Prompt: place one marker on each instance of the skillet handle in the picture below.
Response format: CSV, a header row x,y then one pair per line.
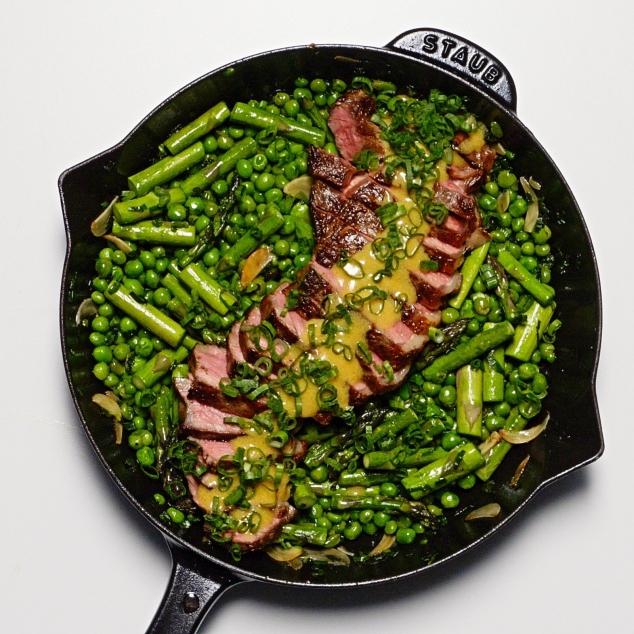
x,y
460,57
193,588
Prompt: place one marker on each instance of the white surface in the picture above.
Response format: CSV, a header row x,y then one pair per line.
x,y
75,78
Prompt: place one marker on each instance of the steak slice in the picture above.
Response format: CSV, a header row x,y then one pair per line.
x,y
448,257
364,189
205,420
329,167
453,231
398,345
457,201
268,532
313,290
432,286
419,318
374,378
350,123
361,218
290,325
212,451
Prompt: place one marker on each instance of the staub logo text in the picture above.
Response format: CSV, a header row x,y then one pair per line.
x,y
462,55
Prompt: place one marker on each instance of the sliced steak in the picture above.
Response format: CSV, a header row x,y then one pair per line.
x,y
329,167
448,256
453,231
398,345
359,393
235,355
209,368
432,286
313,290
482,159
289,324
457,201
211,451
367,191
470,178
349,121
374,378
268,532
419,318
357,215
205,420
327,199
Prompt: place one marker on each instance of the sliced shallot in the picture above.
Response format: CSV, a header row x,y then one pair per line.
x,y
108,404
488,511
532,213
86,309
519,471
489,443
99,225
386,543
526,435
119,243
299,187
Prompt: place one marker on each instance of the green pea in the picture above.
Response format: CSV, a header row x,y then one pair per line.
x,y
301,260
106,253
101,370
473,327
224,141
111,381
488,202
291,171
146,456
100,324
447,395
210,144
236,133
273,109
274,195
449,500
140,438
493,422
542,236
511,394
481,304
530,264
176,515
211,257
302,93
366,516
518,207
389,489
505,220
161,265
338,85
506,179
352,530
231,235
315,511
499,235
100,284
97,339
177,212
494,249
103,267
517,224
431,389
450,379
391,527
244,168
281,248
264,182
236,220
121,351
478,285
527,371
405,535
291,108
127,325
547,350
280,98
319,474
144,348
380,519
323,521
321,101
502,409
106,310
542,250
281,181
540,383
220,187
318,86
450,315
302,164
468,482
162,296
450,440
492,188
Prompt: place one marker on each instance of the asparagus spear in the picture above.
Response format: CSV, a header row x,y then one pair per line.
x,y
493,379
319,452
541,292
148,316
316,117
135,209
303,496
469,401
308,533
166,169
243,149
397,458
257,118
363,479
527,334
251,240
164,233
467,352
155,368
208,289
197,128
457,463
502,290
416,510
469,271
394,425
515,422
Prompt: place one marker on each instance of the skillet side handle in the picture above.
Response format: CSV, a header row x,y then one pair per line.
x,y
194,587
460,57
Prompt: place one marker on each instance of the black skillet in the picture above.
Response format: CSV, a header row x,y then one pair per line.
x,y
423,59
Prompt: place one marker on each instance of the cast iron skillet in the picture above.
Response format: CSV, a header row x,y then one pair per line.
x,y
423,59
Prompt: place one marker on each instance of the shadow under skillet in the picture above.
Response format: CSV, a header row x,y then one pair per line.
x,y
331,600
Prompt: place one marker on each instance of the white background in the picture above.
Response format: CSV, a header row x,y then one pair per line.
x,y
76,76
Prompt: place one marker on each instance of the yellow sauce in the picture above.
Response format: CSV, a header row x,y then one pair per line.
x,y
474,142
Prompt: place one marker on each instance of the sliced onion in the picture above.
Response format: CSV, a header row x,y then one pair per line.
x,y
299,187
526,435
499,148
519,471
489,443
109,405
86,309
119,243
113,396
387,541
488,511
118,432
99,225
254,265
534,184
504,200
330,555
284,554
532,213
